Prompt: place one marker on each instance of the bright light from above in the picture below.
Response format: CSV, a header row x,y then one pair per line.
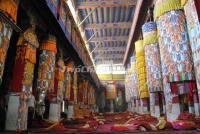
x,y
110,69
72,9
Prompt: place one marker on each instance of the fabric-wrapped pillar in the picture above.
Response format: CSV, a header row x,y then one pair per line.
x,y
135,83
9,8
55,106
69,92
92,100
23,76
111,94
80,94
141,71
75,87
68,86
45,82
153,66
85,95
193,25
59,80
65,100
127,85
175,52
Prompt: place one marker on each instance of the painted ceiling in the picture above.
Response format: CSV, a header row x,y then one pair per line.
x,y
107,25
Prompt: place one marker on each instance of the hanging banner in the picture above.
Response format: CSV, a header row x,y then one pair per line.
x,y
111,91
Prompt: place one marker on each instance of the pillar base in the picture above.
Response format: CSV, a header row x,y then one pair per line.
x,y
54,112
111,106
70,112
133,106
144,106
12,114
173,115
191,109
196,104
196,109
156,111
137,106
164,109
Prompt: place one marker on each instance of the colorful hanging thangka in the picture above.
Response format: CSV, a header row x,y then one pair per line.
x,y
111,92
193,25
152,57
9,8
45,82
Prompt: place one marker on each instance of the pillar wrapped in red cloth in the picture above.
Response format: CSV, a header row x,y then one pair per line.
x,y
59,79
25,61
23,71
80,93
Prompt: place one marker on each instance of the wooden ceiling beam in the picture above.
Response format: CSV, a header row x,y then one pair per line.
x,y
111,49
122,25
112,38
113,56
141,13
105,3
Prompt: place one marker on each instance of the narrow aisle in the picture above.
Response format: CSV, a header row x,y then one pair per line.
x,y
100,66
